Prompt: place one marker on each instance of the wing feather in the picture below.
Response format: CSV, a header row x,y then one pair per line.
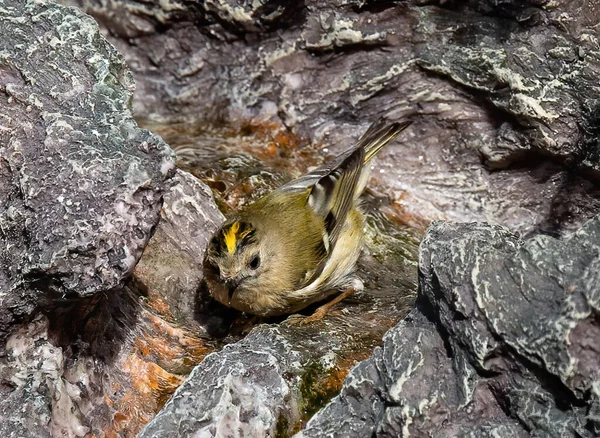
x,y
334,187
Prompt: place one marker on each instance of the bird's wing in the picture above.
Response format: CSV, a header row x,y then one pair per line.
x,y
333,195
308,180
333,186
378,135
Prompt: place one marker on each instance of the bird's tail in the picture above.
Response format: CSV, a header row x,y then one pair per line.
x,y
378,135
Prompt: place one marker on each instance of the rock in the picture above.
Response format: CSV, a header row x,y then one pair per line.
x,y
40,403
502,93
171,269
502,343
268,384
80,184
106,364
243,16
531,72
409,388
238,390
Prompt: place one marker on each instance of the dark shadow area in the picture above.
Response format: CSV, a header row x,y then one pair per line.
x,y
576,198
526,13
216,318
96,326
588,150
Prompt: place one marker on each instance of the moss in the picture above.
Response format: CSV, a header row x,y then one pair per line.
x,y
281,429
318,386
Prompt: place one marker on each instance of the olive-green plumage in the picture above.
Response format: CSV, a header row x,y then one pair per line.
x,y
299,244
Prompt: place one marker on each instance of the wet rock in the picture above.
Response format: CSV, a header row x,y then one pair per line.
x,y
241,389
28,387
106,364
532,73
189,218
80,184
502,93
243,16
269,383
503,342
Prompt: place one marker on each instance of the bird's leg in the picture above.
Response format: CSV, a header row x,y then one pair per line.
x,y
355,286
320,313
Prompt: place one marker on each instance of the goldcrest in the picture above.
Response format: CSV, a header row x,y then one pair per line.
x,y
299,244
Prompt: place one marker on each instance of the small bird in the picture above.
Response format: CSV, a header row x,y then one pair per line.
x,y
299,244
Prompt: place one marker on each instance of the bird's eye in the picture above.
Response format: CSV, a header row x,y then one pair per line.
x,y
255,262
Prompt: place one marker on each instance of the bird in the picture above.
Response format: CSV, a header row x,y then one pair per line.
x,y
299,244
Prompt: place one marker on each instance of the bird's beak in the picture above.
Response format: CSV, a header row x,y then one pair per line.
x,y
232,288
232,284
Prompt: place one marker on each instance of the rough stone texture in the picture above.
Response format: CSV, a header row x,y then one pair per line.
x,y
40,403
171,269
263,385
511,84
80,184
106,364
26,408
503,343
544,79
241,390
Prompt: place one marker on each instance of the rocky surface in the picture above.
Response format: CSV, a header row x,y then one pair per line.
x,y
256,387
170,272
503,343
104,365
81,187
80,184
503,94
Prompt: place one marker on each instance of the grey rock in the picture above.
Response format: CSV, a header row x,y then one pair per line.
x,y
248,398
81,185
250,16
503,343
536,75
171,267
59,372
510,283
40,402
503,94
410,386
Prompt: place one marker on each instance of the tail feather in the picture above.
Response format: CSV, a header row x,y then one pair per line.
x,y
378,135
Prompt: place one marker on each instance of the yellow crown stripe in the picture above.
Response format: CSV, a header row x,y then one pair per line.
x,y
231,237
